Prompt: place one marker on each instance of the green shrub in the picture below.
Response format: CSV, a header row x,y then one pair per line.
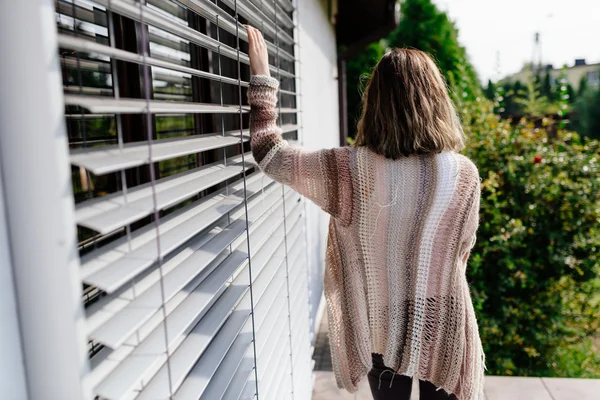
x,y
535,270
535,266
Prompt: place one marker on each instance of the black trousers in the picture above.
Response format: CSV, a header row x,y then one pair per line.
x,y
387,385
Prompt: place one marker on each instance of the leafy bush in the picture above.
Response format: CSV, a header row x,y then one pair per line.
x,y
534,270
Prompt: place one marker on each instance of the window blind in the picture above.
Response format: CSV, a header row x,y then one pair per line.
x,y
193,262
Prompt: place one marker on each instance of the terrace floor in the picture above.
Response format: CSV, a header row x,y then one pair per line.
x,y
496,387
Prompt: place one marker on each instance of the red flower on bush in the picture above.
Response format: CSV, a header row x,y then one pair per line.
x,y
537,159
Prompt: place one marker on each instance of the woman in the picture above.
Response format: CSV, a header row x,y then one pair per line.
x,y
404,207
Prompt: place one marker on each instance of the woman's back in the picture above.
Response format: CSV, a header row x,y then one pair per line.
x,y
395,278
404,207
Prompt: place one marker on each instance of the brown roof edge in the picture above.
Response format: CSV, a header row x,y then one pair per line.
x,y
360,22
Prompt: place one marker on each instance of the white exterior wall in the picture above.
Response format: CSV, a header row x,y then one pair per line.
x,y
320,121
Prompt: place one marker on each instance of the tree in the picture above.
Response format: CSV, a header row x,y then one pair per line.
x,y
546,88
490,90
586,118
514,91
531,101
422,26
583,85
358,71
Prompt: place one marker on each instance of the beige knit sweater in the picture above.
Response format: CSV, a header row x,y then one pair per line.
x,y
399,239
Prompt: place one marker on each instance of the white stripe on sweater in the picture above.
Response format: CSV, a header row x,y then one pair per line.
x,y
445,186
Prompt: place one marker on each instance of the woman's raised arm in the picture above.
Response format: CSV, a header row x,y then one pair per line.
x,y
323,176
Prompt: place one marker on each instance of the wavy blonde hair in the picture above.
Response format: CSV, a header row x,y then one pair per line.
x,y
407,109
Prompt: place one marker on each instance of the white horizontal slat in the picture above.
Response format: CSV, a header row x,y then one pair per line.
x,y
262,204
203,302
240,378
263,317
299,298
110,105
238,357
266,369
267,236
175,229
94,16
296,233
81,44
299,311
288,128
86,65
286,5
271,385
278,361
287,92
114,332
288,110
178,226
296,249
267,276
184,360
142,13
277,340
256,16
101,371
117,273
217,15
139,12
301,345
263,271
112,212
296,263
265,15
295,230
274,12
249,392
285,74
294,211
303,369
274,322
280,388
109,159
111,305
222,376
188,352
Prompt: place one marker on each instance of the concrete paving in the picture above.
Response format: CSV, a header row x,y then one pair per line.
x,y
496,387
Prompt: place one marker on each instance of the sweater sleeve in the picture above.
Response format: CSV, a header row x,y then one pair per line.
x,y
323,176
472,222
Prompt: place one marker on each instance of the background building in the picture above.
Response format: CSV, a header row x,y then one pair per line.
x,y
579,71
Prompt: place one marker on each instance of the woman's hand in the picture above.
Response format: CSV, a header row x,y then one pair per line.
x,y
259,57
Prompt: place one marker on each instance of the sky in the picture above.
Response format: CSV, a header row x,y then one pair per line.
x,y
503,30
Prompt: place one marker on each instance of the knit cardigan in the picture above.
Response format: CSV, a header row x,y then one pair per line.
x,y
399,238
